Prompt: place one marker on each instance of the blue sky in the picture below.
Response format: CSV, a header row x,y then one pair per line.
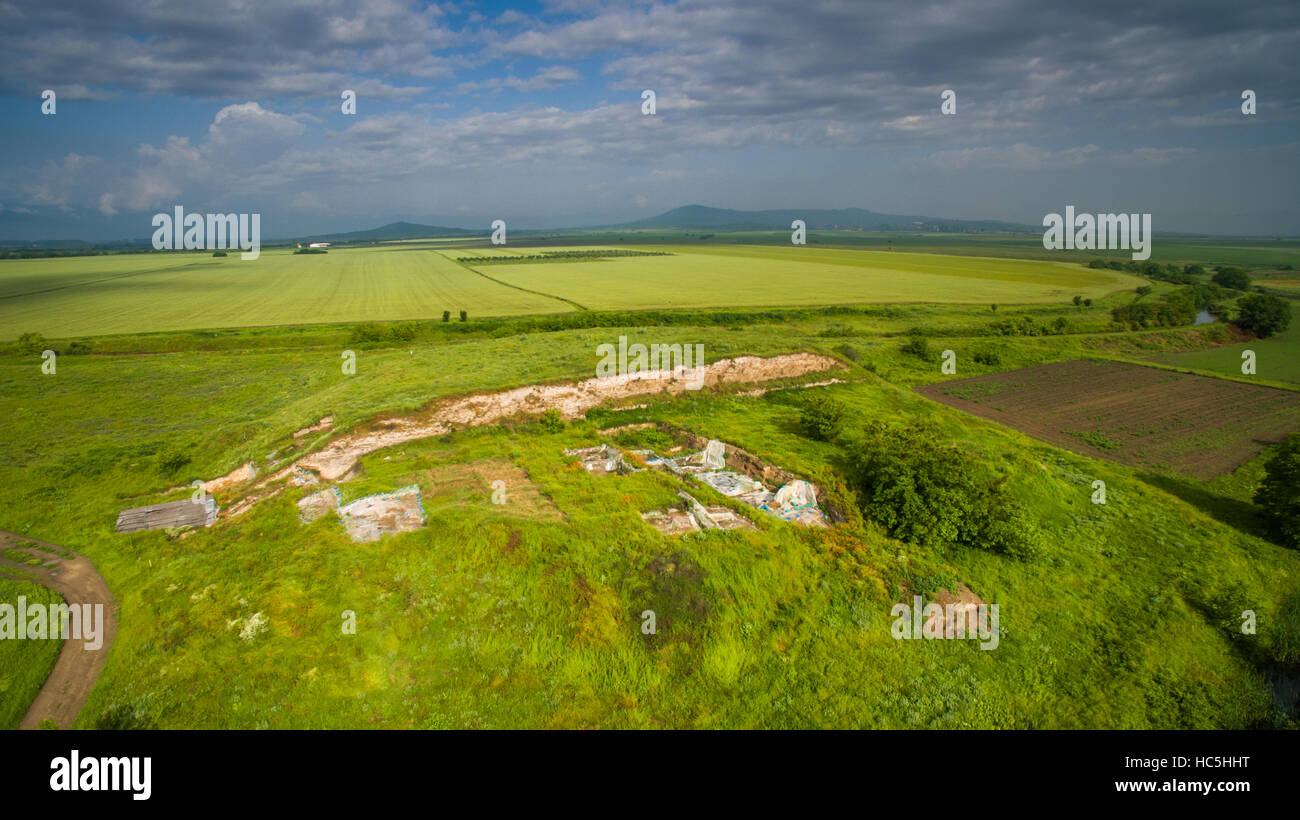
x,y
531,112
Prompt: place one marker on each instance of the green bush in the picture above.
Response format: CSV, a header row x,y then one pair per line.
x,y
987,357
551,421
822,416
1263,313
919,347
1278,494
928,492
1232,278
31,343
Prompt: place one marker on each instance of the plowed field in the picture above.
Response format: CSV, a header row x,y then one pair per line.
x,y
1195,426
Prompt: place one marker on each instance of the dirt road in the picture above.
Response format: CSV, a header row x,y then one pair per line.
x,y
77,669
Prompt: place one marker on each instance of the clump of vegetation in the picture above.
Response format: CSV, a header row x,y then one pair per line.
x,y
31,343
464,317
551,421
1232,278
373,332
822,417
987,357
1026,326
1279,493
929,492
446,315
310,250
218,253
849,352
170,463
919,347
1264,313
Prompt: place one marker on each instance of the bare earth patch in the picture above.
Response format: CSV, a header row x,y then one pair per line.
x,y
1144,417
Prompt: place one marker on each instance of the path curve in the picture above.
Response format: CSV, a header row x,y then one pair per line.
x,y
77,669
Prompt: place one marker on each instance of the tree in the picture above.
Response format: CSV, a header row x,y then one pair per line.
x,y
1279,493
446,315
1264,314
464,316
1232,278
1143,290
1078,300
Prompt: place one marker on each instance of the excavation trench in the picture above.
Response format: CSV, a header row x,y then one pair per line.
x,y
339,457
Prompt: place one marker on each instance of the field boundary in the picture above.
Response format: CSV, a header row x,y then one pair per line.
x,y
508,285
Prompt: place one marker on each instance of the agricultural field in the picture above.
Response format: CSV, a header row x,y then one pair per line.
x,y
141,293
130,293
734,276
1191,425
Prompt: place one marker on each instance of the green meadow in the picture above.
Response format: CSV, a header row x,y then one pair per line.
x,y
491,616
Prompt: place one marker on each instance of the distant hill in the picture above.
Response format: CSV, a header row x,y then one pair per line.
x,y
398,230
723,219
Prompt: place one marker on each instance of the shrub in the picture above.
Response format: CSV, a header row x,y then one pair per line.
x,y
822,416
464,317
551,421
928,492
169,463
1232,278
218,253
1279,493
446,315
988,357
31,343
1263,313
919,347
849,352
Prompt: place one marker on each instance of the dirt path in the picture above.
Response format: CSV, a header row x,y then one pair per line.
x,y
77,669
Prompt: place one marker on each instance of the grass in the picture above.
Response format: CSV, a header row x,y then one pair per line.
x,y
490,618
1277,358
24,664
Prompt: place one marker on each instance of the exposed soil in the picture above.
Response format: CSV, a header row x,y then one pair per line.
x,y
1195,426
572,400
77,668
339,458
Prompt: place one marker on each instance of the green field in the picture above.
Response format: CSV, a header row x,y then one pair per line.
x,y
1276,358
137,293
86,296
487,617
759,275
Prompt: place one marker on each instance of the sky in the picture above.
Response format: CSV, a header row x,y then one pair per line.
x,y
533,112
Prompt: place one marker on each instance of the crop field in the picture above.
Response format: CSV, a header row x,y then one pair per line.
x,y
762,275
1191,425
137,293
